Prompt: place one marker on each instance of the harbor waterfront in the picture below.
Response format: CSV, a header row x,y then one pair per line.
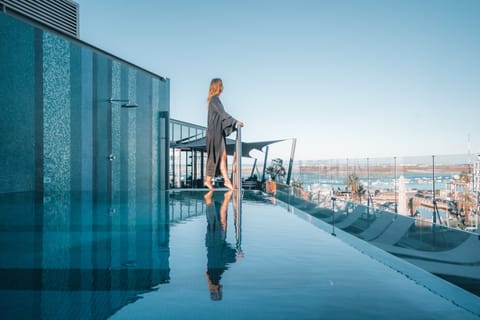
x,y
422,187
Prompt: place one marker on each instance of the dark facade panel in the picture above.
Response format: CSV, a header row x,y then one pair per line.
x,y
18,83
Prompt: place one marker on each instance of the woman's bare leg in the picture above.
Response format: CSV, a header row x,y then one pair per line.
x,y
223,169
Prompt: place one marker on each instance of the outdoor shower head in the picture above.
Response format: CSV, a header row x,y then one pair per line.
x,y
128,104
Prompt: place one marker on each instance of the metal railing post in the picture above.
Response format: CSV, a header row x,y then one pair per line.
x,y
290,163
265,164
434,218
395,183
333,215
238,163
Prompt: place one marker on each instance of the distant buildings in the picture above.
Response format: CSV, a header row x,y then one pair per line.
x,y
476,175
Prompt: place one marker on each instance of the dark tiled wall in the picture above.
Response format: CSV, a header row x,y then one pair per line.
x,y
58,128
17,103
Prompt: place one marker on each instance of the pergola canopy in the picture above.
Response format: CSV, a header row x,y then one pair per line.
x,y
200,145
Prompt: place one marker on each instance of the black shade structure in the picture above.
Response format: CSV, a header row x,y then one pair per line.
x,y
188,154
200,145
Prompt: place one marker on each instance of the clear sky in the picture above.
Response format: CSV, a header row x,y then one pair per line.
x,y
346,78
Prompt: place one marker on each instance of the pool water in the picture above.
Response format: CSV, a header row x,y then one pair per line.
x,y
181,256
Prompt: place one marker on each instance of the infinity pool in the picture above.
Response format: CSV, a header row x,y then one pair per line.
x,y
180,255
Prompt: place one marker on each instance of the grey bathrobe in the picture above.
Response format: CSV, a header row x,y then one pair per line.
x,y
220,125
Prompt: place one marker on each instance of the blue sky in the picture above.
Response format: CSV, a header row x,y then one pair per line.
x,y
346,78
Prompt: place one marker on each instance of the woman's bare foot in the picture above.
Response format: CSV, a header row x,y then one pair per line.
x,y
228,185
208,184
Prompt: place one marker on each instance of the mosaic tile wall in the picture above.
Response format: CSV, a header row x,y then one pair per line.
x,y
60,132
56,114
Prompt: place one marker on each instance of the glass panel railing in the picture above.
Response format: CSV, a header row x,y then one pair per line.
x,y
438,189
422,209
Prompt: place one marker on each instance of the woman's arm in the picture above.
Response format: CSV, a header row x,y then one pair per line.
x,y
228,122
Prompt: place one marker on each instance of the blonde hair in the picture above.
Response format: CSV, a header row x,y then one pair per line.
x,y
216,87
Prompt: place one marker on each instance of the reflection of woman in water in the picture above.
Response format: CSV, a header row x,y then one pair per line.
x,y
219,252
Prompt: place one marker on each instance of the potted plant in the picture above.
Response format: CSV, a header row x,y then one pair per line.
x,y
276,171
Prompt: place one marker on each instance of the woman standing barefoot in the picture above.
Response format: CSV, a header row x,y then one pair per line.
x,y
220,125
